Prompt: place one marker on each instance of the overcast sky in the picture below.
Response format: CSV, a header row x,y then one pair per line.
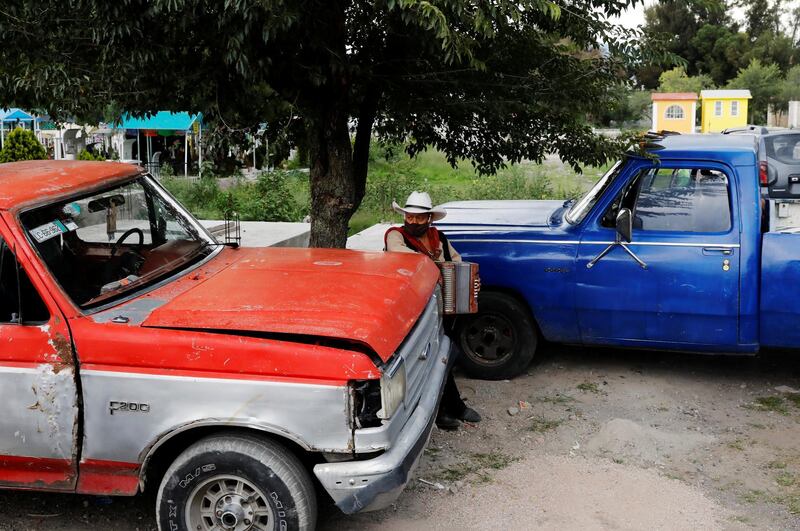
x,y
634,17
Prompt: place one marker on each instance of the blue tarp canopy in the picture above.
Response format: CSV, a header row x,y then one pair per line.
x,y
13,115
174,121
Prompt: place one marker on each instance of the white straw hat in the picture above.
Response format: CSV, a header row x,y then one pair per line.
x,y
420,203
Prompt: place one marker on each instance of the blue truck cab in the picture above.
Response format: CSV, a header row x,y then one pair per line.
x,y
667,251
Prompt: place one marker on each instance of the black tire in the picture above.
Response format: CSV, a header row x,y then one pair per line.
x,y
499,341
200,487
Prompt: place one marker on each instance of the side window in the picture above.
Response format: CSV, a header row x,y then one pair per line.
x,y
675,199
717,108
20,303
623,200
695,200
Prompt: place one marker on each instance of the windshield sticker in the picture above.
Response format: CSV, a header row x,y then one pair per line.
x,y
70,225
44,232
72,209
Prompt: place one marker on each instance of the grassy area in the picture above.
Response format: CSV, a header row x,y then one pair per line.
x,y
542,425
768,403
476,465
284,196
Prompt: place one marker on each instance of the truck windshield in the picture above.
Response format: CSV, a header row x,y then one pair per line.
x,y
104,246
582,207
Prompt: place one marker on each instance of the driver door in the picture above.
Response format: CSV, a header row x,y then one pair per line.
x,y
38,427
684,231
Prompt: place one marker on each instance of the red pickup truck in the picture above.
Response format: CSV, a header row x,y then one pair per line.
x,y
136,352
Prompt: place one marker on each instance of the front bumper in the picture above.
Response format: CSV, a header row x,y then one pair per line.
x,y
375,483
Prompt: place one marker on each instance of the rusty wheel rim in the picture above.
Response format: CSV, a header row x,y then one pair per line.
x,y
228,503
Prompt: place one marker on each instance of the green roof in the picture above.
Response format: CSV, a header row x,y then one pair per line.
x,y
174,121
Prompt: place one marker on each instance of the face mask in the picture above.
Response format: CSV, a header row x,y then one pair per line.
x,y
416,229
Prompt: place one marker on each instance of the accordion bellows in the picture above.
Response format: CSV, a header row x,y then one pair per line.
x,y
459,287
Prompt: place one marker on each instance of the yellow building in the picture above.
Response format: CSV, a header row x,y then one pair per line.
x,y
722,109
674,111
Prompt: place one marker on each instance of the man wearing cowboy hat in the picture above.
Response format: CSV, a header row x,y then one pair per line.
x,y
417,235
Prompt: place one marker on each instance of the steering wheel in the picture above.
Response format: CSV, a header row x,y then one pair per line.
x,y
134,230
129,262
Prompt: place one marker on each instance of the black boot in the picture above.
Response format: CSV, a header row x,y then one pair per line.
x,y
470,415
446,422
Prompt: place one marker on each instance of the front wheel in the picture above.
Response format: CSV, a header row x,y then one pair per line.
x,y
499,341
236,482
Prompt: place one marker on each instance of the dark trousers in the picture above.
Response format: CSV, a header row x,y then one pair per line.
x,y
452,405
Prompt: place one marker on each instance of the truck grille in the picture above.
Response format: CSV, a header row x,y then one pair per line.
x,y
418,348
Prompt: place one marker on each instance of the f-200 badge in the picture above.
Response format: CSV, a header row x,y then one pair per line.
x,y
116,406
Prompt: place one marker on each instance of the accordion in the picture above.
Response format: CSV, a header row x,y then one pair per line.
x,y
460,285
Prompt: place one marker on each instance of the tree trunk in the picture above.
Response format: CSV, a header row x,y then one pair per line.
x,y
333,196
332,180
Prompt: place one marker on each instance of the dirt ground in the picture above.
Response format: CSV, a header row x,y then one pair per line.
x,y
588,439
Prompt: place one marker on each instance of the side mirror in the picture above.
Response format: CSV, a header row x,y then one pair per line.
x,y
624,225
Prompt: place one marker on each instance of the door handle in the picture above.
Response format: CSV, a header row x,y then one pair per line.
x,y
727,251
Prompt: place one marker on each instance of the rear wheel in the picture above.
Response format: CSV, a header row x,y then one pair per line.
x,y
236,483
499,341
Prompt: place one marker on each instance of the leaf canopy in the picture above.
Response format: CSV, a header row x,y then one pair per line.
x,y
491,82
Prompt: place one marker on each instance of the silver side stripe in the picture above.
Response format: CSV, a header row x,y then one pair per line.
x,y
467,229
120,375
471,240
576,242
673,244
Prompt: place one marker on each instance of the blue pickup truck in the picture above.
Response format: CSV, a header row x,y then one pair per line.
x,y
669,250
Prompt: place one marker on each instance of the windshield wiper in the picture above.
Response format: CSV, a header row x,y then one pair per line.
x,y
232,245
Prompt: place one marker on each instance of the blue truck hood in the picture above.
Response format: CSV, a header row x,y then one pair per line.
x,y
498,213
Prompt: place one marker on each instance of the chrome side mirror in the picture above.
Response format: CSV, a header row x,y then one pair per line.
x,y
624,234
624,225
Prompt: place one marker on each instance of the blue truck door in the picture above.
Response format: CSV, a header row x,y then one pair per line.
x,y
685,231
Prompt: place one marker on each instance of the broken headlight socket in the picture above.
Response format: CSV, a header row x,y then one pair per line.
x,y
366,403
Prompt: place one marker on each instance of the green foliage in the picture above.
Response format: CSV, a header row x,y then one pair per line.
x,y
381,151
764,83
268,199
274,196
676,80
284,196
88,155
486,83
676,23
789,89
628,107
21,144
167,171
773,47
761,16
721,51
713,43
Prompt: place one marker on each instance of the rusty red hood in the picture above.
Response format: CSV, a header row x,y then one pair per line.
x,y
370,297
